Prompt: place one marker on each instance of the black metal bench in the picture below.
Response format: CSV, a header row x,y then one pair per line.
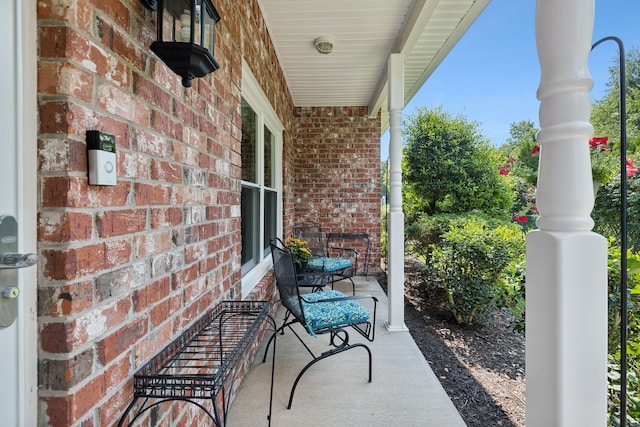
x,y
203,362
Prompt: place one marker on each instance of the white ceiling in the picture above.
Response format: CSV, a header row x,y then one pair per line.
x,y
366,32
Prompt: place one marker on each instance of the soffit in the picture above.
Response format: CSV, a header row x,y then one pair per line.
x,y
366,32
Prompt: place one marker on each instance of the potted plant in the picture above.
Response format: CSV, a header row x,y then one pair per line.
x,y
300,251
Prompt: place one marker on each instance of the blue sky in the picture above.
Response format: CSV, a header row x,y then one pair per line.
x,y
492,74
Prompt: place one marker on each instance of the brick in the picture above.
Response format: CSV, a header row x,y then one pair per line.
x,y
124,105
162,170
152,194
65,337
66,373
62,227
149,91
167,262
65,78
134,165
116,11
152,344
153,144
112,409
118,342
195,253
147,296
165,217
152,243
73,263
121,281
65,299
76,12
57,154
66,118
165,124
161,311
184,276
166,79
63,411
117,252
129,50
120,222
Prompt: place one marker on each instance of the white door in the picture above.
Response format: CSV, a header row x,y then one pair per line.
x,y
18,124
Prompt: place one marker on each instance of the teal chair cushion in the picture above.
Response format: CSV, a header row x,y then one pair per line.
x,y
328,264
334,313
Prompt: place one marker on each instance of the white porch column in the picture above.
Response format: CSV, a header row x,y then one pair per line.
x,y
395,287
566,349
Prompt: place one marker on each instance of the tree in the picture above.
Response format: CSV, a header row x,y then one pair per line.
x,y
449,167
605,115
521,146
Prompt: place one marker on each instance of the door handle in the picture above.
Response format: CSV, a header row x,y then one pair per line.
x,y
9,260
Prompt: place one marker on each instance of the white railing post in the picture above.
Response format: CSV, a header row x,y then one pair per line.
x,y
395,287
566,320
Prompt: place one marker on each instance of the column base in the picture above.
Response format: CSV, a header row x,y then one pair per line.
x,y
394,328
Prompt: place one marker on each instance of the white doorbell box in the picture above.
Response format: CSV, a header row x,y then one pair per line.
x,y
101,149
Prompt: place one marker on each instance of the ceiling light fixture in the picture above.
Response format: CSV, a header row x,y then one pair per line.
x,y
324,44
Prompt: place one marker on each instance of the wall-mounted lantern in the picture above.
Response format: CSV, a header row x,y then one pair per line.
x,y
186,36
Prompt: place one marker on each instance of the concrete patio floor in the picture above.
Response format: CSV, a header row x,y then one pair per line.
x,y
334,392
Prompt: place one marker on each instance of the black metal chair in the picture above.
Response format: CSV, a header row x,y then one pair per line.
x,y
322,312
338,263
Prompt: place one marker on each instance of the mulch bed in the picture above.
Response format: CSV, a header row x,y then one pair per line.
x,y
482,368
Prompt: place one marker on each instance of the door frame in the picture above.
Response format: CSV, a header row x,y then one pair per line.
x,y
27,126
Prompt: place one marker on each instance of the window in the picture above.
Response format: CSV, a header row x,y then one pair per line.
x,y
261,181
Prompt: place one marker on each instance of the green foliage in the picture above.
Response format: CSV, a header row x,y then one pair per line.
x,y
608,201
449,167
427,230
469,262
519,147
633,332
384,235
384,179
605,114
512,292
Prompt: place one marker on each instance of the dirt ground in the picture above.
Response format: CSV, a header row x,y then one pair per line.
x,y
481,368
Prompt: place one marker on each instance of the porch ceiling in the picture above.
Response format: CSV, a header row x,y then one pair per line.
x,y
366,32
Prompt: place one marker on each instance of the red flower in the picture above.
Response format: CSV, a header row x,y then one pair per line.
x,y
511,160
519,218
504,170
632,170
599,140
536,150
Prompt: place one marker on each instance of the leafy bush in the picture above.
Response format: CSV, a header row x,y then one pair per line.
x,y
633,334
512,292
469,263
428,230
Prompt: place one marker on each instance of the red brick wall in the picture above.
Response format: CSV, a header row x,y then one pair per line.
x,y
337,172
126,268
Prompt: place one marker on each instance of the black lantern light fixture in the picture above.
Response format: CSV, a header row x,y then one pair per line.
x,y
186,36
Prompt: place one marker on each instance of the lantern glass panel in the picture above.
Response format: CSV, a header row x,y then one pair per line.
x,y
170,20
209,23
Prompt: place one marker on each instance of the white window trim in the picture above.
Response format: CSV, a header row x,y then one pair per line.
x,y
253,94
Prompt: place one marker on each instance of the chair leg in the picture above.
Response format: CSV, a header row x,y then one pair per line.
x,y
324,356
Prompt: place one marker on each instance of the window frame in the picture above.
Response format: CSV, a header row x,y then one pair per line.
x,y
265,116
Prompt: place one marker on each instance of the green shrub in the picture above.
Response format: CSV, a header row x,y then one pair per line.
x,y
469,262
428,230
511,293
633,334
